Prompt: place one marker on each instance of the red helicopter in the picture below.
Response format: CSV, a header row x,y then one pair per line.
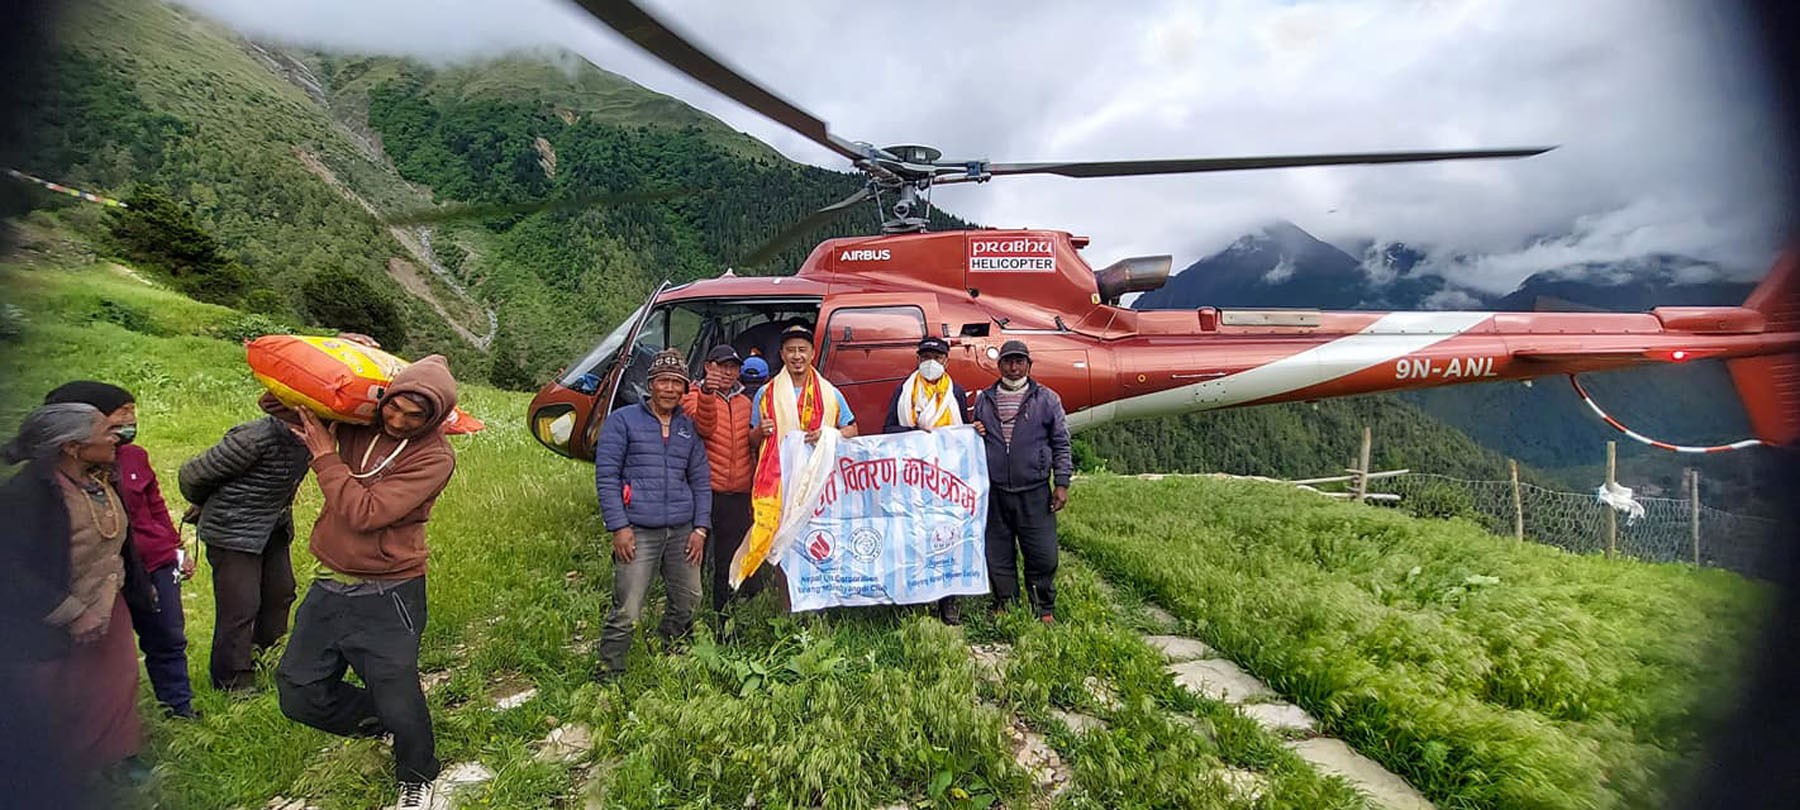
x,y
873,298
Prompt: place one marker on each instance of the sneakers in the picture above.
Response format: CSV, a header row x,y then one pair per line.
x,y
949,612
1047,619
414,796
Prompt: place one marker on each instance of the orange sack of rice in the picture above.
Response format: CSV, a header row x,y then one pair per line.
x,y
337,379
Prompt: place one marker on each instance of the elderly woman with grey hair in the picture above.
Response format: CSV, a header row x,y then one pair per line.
x,y
71,571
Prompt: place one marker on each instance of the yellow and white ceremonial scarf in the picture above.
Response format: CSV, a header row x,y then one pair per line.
x,y
927,403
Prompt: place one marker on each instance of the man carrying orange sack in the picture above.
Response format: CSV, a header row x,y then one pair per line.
x,y
366,608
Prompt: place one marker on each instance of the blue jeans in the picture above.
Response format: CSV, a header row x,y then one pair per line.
x,y
162,635
657,550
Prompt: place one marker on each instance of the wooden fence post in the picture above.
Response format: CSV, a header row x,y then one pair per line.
x,y
1362,474
1612,515
1518,502
1694,510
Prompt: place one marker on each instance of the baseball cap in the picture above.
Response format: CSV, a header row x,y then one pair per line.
x,y
723,353
668,363
1012,347
755,368
934,344
798,330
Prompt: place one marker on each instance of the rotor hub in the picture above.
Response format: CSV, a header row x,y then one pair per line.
x,y
914,153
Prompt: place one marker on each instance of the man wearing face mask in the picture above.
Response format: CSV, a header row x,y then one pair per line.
x,y
162,633
926,400
1029,465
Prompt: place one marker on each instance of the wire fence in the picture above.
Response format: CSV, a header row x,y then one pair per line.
x,y
1667,529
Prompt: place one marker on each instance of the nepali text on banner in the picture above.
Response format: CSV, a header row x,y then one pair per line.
x,y
902,520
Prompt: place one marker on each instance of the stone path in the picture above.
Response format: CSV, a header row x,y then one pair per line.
x,y
1049,774
1198,668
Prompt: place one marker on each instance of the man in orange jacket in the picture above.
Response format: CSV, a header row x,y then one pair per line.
x,y
721,412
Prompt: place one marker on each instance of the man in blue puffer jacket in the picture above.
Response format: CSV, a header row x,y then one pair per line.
x,y
656,498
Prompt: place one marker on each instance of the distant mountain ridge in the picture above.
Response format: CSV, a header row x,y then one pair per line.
x,y
1282,265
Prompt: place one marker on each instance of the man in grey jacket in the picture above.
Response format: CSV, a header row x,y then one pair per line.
x,y
655,490
1029,465
243,488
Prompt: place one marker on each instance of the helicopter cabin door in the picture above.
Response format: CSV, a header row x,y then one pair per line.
x,y
869,344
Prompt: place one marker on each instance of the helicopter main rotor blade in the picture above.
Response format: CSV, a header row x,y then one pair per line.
x,y
812,221
678,52
1124,168
452,213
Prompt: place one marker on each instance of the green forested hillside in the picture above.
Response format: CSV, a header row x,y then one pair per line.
x,y
1297,440
139,93
561,278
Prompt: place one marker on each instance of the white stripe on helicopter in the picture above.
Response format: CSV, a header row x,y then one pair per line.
x,y
1389,338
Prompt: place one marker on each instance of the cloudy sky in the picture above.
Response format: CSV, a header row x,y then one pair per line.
x,y
1656,105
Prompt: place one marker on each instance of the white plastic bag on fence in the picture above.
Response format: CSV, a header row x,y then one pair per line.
x,y
1619,498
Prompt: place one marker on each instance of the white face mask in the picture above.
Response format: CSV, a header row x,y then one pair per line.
x,y
931,370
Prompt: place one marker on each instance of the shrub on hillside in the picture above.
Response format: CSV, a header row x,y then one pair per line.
x,y
156,232
125,315
250,326
264,301
1087,459
342,299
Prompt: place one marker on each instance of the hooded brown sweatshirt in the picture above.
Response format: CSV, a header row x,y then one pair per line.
x,y
373,527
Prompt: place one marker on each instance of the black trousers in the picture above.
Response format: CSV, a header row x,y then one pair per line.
x,y
162,636
251,597
1022,523
376,634
731,518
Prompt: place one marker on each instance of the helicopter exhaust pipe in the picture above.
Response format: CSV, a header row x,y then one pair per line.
x,y
1136,274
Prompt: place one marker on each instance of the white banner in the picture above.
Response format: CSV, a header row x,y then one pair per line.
x,y
902,520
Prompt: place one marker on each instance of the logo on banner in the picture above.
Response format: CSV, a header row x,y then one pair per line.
x,y
865,545
1016,255
944,537
819,545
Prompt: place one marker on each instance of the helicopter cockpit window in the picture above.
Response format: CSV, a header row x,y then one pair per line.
x,y
694,327
667,327
585,374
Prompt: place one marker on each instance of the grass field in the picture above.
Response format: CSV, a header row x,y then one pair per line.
x,y
1489,674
